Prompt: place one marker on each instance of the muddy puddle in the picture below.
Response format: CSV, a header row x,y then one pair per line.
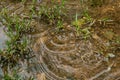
x,y
63,55
71,58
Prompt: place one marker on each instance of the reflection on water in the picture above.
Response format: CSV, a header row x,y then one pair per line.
x,y
3,37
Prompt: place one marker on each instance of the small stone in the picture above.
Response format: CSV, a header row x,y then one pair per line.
x,y
111,55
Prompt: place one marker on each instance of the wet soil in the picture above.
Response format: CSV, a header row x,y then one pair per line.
x,y
63,55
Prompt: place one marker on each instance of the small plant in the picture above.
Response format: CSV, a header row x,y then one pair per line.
x,y
59,24
87,17
17,43
52,14
79,25
86,32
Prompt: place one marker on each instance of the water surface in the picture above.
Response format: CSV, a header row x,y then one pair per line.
x,y
3,37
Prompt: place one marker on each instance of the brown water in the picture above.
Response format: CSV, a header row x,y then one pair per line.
x,y
63,55
68,57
